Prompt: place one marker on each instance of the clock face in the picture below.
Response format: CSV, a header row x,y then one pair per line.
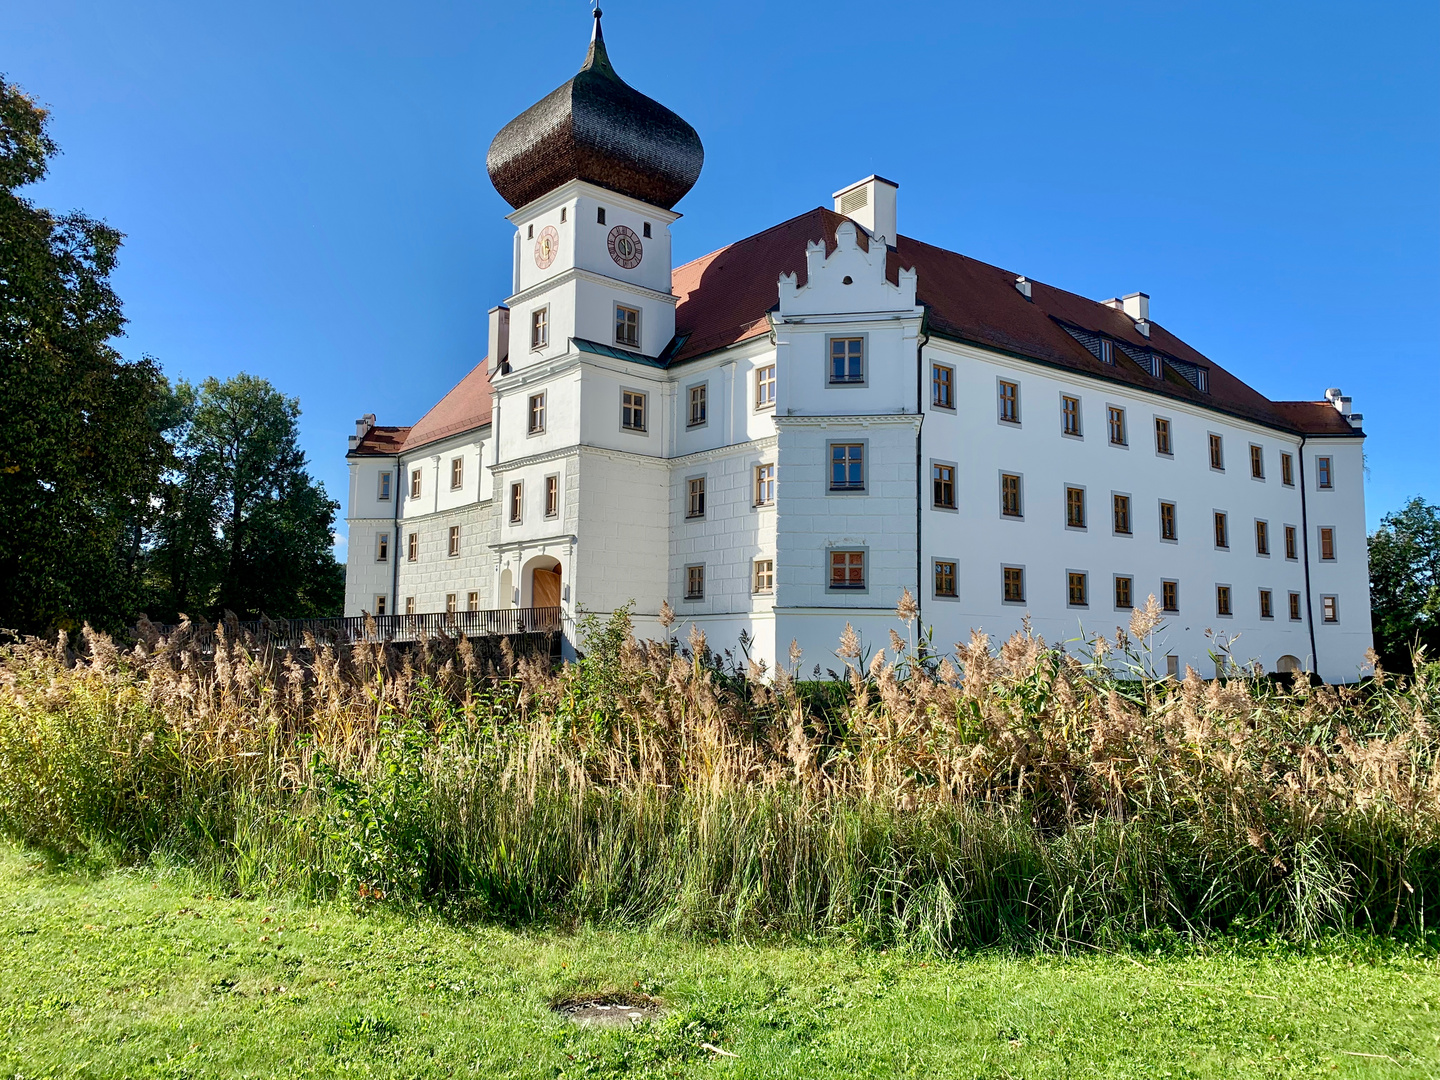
x,y
547,246
625,247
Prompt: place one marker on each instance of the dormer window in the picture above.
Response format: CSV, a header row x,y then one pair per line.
x,y
1107,351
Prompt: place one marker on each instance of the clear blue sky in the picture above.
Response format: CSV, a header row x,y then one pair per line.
x,y
304,192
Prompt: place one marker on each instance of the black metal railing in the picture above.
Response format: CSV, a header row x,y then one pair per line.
x,y
400,628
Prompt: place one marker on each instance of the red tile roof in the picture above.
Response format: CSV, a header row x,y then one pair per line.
x,y
464,408
725,298
382,441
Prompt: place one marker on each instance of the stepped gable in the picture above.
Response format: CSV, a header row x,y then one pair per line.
x,y
599,129
726,297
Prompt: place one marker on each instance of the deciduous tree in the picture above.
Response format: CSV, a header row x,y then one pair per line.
x,y
1405,583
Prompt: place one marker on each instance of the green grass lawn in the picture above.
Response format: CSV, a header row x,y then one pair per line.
x,y
133,974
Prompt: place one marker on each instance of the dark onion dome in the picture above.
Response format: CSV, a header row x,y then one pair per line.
x,y
598,129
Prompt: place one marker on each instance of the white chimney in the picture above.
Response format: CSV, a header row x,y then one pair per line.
x,y
362,428
870,203
1137,306
1022,284
499,346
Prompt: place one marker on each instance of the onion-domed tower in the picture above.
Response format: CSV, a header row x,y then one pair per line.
x,y
593,171
599,129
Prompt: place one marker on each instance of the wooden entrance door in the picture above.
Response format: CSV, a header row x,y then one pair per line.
x,y
544,588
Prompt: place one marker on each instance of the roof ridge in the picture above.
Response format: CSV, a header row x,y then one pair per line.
x,y
752,236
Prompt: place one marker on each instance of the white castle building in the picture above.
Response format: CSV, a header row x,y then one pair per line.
x,y
781,436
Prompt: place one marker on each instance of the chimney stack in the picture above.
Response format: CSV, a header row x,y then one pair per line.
x,y
1137,306
499,345
870,203
362,428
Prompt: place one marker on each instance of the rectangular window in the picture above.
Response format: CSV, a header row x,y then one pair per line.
x,y
384,493
451,603
1012,584
457,473
645,230
1324,477
1222,600
1267,607
1295,607
1075,508
472,601
1124,593
627,326
1107,351
944,483
1172,665
1077,588
945,584
847,466
699,405
537,414
695,582
1070,416
563,212
847,569
764,576
1117,425
1291,543
540,328
600,215
765,387
1257,462
380,605
517,502
409,605
942,383
1009,402
552,496
454,547
1121,507
1010,495
695,497
1167,521
764,485
412,548
1262,538
1287,470
414,483
1162,437
1170,595
847,360
1222,530
632,410
382,548
1329,609
1327,544
1217,452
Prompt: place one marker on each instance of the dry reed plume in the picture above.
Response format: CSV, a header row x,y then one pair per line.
x,y
999,794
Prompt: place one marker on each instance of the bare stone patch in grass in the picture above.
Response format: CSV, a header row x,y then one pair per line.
x,y
617,1009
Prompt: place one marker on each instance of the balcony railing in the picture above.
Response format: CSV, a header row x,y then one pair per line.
x,y
399,628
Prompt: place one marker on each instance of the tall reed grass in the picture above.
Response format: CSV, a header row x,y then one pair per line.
x,y
1022,794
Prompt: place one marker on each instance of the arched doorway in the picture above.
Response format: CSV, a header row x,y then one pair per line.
x,y
541,583
1287,664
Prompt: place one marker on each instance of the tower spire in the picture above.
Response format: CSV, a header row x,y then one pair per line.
x,y
597,59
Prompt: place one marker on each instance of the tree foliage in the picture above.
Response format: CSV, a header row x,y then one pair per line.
x,y
1405,582
81,450
245,528
118,492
